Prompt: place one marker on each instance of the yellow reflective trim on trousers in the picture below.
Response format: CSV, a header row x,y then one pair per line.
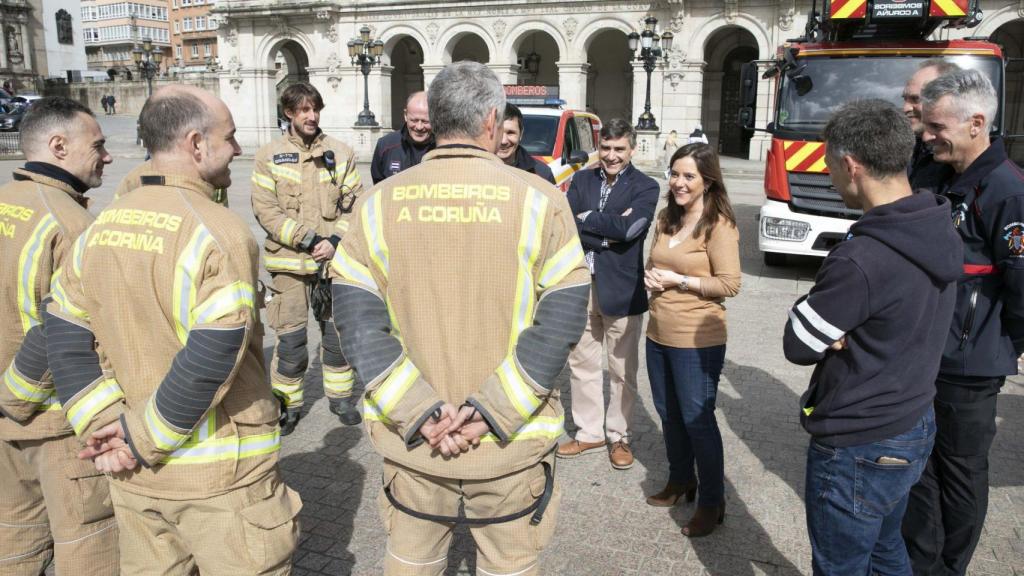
x,y
51,403
31,256
231,298
22,388
563,262
264,181
289,264
394,387
292,391
519,393
63,302
373,223
339,381
286,173
287,233
164,436
544,427
530,235
186,272
230,448
80,413
348,269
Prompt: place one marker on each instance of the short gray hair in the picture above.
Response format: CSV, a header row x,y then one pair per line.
x,y
461,97
617,128
971,91
873,132
46,116
166,119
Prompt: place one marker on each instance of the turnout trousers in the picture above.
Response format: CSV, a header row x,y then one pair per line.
x,y
54,507
418,547
287,315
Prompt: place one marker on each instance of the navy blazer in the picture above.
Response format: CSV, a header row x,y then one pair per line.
x,y
619,267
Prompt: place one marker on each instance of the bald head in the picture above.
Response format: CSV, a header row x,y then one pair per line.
x,y
174,111
417,119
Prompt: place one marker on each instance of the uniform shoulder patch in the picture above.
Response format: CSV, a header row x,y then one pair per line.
x,y
286,158
1013,233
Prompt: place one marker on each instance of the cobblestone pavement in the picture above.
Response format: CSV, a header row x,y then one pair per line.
x,y
604,526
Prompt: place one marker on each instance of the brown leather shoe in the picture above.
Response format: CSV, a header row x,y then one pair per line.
x,y
574,448
621,456
671,493
704,521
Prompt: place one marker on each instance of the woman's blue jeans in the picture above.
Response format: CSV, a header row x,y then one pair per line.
x,y
684,383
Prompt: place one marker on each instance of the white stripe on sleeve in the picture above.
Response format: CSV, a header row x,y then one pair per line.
x,y
819,323
806,337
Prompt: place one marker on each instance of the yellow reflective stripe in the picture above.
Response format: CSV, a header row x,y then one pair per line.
x,y
290,264
286,173
395,386
164,436
544,427
348,269
186,272
264,181
60,297
230,448
563,262
28,269
325,175
287,232
51,403
808,410
352,179
22,388
339,381
373,223
78,251
341,226
80,413
228,299
529,248
371,413
518,391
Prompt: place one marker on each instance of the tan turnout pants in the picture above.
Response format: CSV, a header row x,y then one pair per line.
x,y
56,507
420,547
251,530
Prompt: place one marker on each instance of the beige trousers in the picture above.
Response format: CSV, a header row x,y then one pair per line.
x,y
418,547
620,337
56,507
251,530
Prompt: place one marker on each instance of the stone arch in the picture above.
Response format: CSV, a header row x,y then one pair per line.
x,y
266,50
995,20
406,56
724,52
545,47
451,38
395,34
523,30
609,74
698,42
1010,35
595,28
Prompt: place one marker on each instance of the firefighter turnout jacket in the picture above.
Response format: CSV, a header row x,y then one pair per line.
x,y
133,180
164,280
461,280
299,198
40,219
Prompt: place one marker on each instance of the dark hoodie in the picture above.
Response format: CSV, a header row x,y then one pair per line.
x,y
396,152
889,290
524,161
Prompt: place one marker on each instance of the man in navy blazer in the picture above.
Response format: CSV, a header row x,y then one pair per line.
x,y
614,207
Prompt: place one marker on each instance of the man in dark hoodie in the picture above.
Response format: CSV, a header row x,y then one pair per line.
x,y
875,325
947,507
512,153
923,170
405,147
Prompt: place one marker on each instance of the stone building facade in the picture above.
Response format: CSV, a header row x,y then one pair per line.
x,y
194,35
113,28
581,46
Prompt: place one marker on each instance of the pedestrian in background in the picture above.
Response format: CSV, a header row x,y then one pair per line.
x,y
697,135
105,104
874,324
693,267
668,149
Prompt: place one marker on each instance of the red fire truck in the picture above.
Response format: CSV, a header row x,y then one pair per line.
x,y
853,49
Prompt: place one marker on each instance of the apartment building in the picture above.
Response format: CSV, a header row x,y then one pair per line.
x,y
113,28
193,35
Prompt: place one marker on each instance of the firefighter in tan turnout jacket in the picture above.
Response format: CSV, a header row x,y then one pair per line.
x,y
185,422
52,505
458,293
303,187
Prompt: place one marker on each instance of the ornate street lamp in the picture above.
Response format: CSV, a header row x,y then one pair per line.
x,y
147,60
648,41
365,52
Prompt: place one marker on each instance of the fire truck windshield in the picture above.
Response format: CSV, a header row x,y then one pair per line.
x,y
539,134
835,81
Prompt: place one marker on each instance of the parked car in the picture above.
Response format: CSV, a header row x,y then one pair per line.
x,y
12,113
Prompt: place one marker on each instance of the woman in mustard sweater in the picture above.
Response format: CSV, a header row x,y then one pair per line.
x,y
694,265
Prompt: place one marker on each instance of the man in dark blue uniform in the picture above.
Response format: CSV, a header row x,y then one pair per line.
x,y
947,507
924,171
405,147
512,153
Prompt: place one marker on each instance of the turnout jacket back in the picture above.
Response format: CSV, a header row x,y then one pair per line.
x,y
295,198
395,152
461,280
40,218
987,332
164,281
889,291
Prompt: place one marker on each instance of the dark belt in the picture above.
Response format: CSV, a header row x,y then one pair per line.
x,y
537,508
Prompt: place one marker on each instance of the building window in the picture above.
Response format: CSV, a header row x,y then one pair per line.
x,y
177,52
65,34
208,49
200,23
195,51
177,27
186,2
186,25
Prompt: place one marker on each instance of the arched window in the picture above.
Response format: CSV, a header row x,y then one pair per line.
x,y
65,35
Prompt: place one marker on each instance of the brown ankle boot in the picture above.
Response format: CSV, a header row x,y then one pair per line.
x,y
704,521
671,493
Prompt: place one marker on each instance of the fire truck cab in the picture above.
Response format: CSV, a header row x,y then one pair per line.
x,y
855,49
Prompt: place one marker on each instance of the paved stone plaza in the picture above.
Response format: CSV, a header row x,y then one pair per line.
x,y
604,526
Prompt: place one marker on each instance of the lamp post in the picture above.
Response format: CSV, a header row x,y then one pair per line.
x,y
648,41
365,52
147,60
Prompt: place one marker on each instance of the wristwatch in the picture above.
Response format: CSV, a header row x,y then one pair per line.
x,y
684,283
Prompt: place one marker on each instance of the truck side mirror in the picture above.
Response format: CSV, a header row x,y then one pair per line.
x,y
578,157
748,85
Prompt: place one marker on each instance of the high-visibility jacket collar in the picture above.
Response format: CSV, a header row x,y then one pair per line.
x,y
178,181
297,141
460,152
23,174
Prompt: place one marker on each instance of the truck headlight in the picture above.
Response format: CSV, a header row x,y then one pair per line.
x,y
783,229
